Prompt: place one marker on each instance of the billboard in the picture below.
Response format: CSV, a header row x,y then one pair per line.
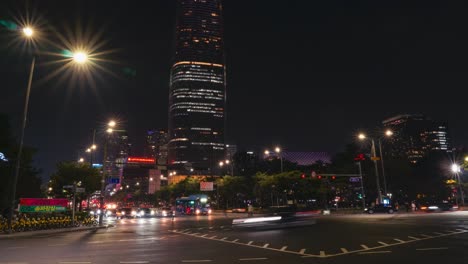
x,y
206,186
42,205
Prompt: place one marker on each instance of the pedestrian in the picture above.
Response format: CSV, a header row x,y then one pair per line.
x,y
413,206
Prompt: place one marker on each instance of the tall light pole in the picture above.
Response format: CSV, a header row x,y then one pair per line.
x,y
456,170
110,129
278,151
388,133
374,159
28,33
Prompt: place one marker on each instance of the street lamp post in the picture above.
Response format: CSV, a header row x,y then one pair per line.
x,y
278,151
456,171
109,131
28,32
374,159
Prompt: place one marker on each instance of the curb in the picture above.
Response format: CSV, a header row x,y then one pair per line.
x,y
53,231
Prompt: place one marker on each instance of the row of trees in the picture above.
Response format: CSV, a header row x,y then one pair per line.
x,y
261,183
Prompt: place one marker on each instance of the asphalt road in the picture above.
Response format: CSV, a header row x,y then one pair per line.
x,y
399,238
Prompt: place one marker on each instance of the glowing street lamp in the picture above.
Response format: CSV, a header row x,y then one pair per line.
x,y
221,163
466,158
267,152
388,133
110,130
28,31
111,123
81,160
80,57
362,136
456,169
93,147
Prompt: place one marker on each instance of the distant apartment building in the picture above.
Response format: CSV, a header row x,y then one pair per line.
x,y
415,136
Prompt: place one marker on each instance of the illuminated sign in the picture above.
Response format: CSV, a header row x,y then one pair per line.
x,y
43,201
41,209
41,205
141,160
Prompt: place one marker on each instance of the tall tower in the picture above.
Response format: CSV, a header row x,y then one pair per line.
x,y
197,95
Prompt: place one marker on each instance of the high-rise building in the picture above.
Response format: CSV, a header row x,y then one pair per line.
x,y
231,150
197,87
416,136
156,145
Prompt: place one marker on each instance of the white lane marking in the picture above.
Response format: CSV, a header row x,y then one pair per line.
x,y
426,249
424,235
200,228
235,240
414,238
56,245
213,237
302,251
133,262
247,259
221,227
266,245
196,260
196,234
399,240
224,238
250,243
210,227
437,233
344,250
364,247
204,235
322,253
284,248
382,243
374,252
460,230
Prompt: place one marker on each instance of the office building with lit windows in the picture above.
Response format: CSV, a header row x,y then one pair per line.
x,y
197,95
415,136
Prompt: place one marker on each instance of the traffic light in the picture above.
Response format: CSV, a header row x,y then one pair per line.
x,y
333,177
303,176
360,157
319,177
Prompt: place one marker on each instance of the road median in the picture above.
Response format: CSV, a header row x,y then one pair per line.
x,y
52,231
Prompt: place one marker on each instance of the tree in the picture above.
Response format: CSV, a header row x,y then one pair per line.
x,y
68,173
29,182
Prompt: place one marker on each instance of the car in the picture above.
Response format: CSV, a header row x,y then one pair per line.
x,y
438,207
381,208
146,212
203,211
112,213
164,212
128,212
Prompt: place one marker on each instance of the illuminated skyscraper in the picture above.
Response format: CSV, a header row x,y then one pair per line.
x,y
415,136
197,93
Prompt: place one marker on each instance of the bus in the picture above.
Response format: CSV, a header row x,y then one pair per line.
x,y
196,204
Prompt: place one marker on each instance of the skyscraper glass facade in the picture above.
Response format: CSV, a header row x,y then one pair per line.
x,y
197,87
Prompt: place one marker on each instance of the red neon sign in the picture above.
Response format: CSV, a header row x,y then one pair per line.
x,y
141,160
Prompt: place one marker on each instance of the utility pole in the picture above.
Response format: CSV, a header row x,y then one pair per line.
x,y
383,168
362,187
103,182
377,181
74,203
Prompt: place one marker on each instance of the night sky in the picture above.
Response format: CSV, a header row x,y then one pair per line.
x,y
303,74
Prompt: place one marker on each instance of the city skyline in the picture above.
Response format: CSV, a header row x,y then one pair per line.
x,y
336,83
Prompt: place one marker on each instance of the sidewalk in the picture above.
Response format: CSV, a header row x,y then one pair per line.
x,y
52,231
